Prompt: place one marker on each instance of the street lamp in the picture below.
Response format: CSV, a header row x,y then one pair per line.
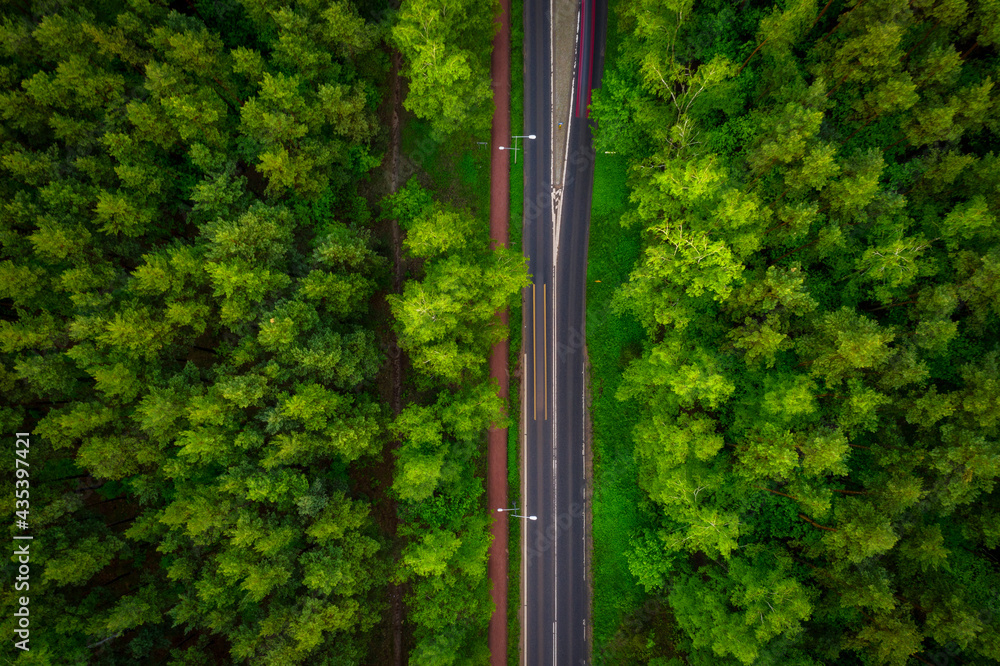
x,y
517,516
515,148
509,148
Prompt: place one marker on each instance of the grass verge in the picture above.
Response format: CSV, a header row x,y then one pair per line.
x,y
629,626
456,171
619,505
612,341
513,438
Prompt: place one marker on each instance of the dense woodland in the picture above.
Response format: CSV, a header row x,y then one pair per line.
x,y
818,188
197,306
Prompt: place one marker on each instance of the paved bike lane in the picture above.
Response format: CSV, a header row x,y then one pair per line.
x,y
496,456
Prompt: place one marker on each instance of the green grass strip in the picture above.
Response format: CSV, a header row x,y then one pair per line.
x,y
513,440
612,341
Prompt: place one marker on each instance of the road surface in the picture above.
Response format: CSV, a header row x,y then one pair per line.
x,y
556,595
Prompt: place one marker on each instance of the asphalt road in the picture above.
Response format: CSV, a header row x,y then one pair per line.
x,y
538,579
556,595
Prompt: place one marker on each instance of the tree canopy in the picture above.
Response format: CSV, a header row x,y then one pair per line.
x,y
817,191
186,277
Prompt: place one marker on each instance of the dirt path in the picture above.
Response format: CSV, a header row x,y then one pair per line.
x,y
392,650
395,593
496,461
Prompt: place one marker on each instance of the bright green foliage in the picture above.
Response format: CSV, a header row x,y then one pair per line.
x,y
818,385
445,563
781,29
310,115
785,138
438,231
446,320
446,45
766,596
437,438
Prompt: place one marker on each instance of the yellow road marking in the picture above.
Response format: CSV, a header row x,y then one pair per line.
x,y
534,361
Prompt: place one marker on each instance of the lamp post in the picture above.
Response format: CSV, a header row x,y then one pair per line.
x,y
515,148
516,515
509,148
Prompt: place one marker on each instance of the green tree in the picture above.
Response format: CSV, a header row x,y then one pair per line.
x,y
817,378
446,47
739,613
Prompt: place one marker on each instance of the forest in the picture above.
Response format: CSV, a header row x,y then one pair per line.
x,y
252,363
817,189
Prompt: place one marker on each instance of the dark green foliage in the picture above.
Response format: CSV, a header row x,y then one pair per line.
x,y
817,188
186,277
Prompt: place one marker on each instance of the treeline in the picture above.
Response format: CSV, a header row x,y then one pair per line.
x,y
447,322
818,186
188,291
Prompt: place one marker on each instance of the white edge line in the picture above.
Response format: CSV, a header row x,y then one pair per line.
x,y
524,497
551,175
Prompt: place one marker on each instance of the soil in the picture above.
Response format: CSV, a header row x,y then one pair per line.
x,y
395,353
389,646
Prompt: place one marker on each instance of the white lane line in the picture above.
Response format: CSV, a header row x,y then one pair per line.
x,y
572,94
524,401
553,644
555,476
524,532
552,110
555,552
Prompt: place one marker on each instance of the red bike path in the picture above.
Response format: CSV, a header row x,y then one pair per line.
x,y
496,461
